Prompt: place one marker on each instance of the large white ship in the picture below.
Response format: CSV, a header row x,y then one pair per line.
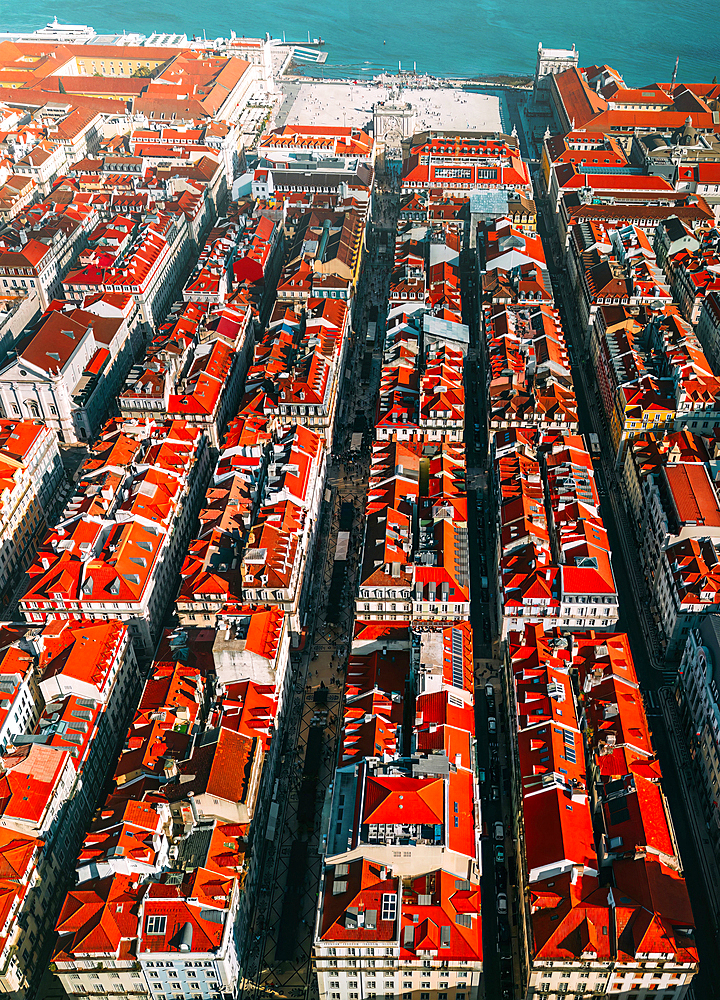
x,y
56,32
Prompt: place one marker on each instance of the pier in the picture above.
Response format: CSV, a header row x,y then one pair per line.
x,y
303,54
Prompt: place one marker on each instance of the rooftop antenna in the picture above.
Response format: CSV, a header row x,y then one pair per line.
x,y
674,76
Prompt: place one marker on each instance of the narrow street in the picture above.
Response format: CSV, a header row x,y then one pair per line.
x,y
280,959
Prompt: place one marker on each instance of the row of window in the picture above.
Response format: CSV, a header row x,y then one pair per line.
x,y
388,996
581,991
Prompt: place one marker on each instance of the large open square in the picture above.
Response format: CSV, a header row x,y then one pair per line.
x,y
352,104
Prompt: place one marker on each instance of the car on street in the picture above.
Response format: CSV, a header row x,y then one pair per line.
x,y
494,792
481,775
492,725
502,903
489,695
498,831
499,854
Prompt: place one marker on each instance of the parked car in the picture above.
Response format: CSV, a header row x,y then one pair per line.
x,y
490,694
494,793
492,724
502,903
498,831
499,854
481,775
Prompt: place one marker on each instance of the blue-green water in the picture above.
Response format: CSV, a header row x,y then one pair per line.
x,y
452,37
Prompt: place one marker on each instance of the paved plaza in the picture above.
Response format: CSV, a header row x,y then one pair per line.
x,y
351,104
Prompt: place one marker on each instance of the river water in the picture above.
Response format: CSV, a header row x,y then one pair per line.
x,y
454,37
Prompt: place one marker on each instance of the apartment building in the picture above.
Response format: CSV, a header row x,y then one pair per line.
x,y
379,934
121,538
458,162
150,266
71,366
87,679
39,251
172,838
581,764
32,473
553,555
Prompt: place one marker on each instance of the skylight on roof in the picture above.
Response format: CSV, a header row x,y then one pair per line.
x,y
389,906
155,925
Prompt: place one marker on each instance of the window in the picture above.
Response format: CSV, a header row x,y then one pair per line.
x,y
155,925
389,906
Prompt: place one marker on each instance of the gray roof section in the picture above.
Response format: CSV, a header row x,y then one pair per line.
x,y
488,203
456,334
